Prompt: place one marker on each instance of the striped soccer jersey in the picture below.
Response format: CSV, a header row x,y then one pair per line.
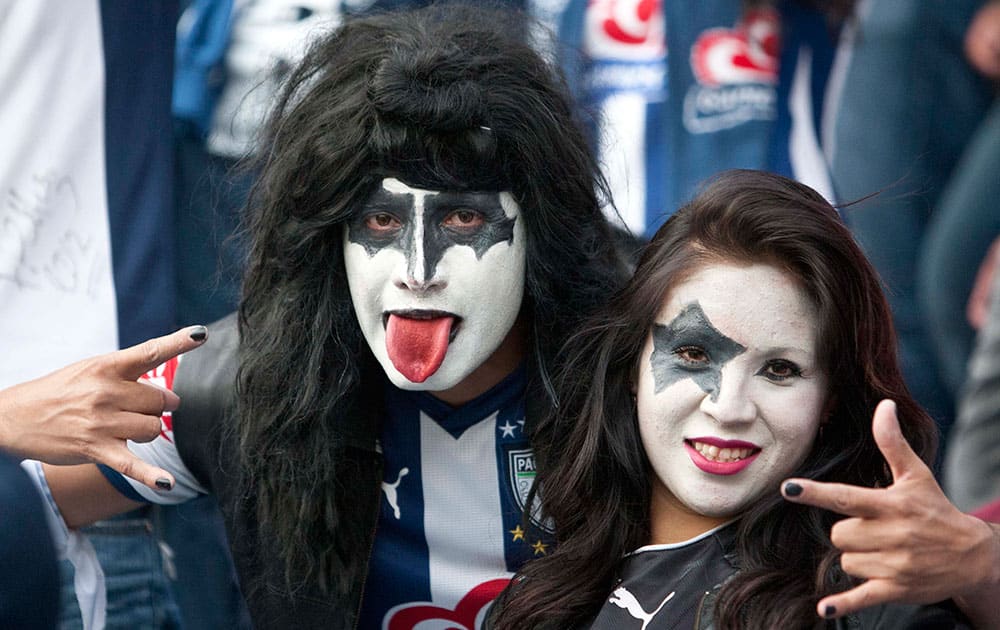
x,y
450,532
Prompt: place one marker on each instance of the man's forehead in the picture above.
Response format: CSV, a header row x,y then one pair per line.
x,y
395,186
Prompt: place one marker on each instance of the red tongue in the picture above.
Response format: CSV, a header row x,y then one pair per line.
x,y
417,346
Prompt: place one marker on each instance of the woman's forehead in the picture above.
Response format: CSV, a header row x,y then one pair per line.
x,y
756,304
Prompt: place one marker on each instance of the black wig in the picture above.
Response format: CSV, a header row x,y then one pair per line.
x,y
444,97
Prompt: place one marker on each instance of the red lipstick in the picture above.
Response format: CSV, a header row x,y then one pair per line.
x,y
716,467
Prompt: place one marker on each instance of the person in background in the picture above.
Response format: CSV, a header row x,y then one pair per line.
x,y
681,92
904,74
86,216
972,463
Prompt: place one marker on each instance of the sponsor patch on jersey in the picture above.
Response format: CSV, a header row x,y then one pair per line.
x,y
736,72
626,43
468,614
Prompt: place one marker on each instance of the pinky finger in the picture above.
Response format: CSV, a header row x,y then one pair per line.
x,y
125,462
870,593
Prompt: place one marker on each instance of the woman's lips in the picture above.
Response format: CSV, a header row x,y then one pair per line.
x,y
721,457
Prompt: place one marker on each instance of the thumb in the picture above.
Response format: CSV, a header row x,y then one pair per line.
x,y
893,446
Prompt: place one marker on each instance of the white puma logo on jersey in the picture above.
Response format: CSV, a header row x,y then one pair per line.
x,y
624,599
390,492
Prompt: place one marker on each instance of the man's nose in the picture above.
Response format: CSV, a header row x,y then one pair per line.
x,y
421,273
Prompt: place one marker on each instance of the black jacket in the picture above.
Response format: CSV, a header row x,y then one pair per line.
x,y
206,440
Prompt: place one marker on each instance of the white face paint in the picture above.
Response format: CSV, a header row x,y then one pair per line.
x,y
730,392
436,278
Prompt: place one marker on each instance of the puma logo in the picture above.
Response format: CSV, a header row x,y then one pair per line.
x,y
390,492
624,599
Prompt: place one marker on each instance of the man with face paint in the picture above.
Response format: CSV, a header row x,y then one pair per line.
x,y
425,235
425,269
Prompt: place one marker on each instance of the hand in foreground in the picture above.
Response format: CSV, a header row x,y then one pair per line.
x,y
907,540
86,411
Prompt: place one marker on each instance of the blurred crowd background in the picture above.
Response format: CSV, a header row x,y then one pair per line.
x,y
122,174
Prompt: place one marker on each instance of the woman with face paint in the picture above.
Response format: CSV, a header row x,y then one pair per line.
x,y
752,344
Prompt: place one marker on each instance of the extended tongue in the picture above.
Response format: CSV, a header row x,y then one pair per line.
x,y
417,346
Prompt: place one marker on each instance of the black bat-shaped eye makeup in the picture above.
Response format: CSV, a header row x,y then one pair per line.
x,y
691,347
439,221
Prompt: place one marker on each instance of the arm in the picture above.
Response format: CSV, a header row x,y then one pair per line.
x,y
84,495
80,495
85,412
907,541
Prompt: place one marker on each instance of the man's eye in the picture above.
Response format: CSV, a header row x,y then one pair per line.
x,y
464,220
692,355
382,222
780,370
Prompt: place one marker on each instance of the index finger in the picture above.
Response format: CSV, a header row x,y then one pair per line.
x,y
133,362
836,497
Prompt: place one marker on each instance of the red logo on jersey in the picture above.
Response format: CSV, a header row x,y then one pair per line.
x,y
163,376
631,30
407,616
747,53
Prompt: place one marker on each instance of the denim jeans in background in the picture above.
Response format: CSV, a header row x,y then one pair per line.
x,y
909,106
205,587
139,596
964,224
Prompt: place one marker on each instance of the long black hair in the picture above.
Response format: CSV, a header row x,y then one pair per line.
x,y
594,474
446,97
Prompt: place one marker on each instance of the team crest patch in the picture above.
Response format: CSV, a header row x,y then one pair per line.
x,y
521,467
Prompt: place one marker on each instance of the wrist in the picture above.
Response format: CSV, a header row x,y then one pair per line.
x,y
7,441
978,601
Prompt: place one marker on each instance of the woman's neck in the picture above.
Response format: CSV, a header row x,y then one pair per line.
x,y
671,522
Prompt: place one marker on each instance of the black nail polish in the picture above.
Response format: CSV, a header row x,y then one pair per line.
x,y
793,489
199,333
163,483
829,611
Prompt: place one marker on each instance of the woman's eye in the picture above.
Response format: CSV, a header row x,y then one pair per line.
x,y
382,222
464,219
692,355
780,370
